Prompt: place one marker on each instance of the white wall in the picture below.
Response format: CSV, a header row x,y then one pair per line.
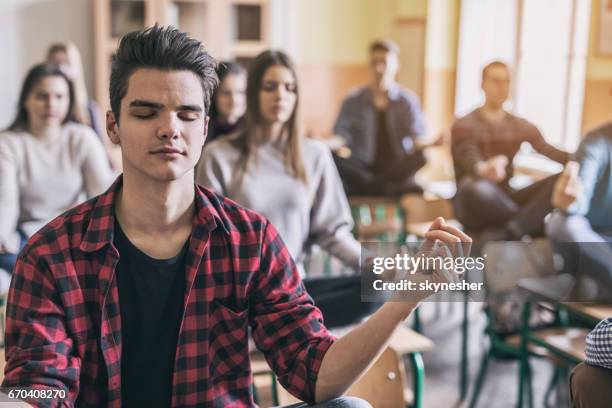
x,y
27,27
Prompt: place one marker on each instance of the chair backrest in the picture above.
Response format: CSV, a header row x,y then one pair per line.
x,y
382,384
508,262
505,264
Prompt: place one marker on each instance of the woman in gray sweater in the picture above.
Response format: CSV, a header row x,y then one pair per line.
x,y
270,168
48,162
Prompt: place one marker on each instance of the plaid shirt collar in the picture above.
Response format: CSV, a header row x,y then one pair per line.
x,y
100,231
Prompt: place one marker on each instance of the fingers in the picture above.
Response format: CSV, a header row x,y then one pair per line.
x,y
465,239
457,232
446,238
429,243
439,221
459,241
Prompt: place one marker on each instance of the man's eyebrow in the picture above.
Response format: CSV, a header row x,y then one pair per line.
x,y
138,103
194,108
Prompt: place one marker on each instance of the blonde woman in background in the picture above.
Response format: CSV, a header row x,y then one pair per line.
x,y
292,180
85,110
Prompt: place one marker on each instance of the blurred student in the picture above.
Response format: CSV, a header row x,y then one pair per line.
x,y
229,101
292,180
48,162
484,143
384,130
583,200
86,110
590,382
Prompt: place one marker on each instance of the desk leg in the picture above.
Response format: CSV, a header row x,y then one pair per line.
x,y
463,375
524,368
274,390
418,374
416,322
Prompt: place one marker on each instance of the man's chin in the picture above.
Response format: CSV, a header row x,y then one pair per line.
x,y
169,175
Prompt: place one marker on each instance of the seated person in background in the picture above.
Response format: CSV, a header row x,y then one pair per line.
x,y
144,295
591,381
383,127
48,162
86,111
484,143
583,200
290,179
228,102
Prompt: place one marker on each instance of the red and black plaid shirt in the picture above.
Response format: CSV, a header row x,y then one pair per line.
x,y
63,325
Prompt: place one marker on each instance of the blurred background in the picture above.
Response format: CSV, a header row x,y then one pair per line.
x,y
561,61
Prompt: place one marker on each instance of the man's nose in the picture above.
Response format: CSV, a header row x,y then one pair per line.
x,y
169,127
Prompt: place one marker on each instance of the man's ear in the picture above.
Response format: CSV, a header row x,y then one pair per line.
x,y
112,128
205,129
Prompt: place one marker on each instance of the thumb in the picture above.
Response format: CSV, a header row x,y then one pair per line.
x,y
572,168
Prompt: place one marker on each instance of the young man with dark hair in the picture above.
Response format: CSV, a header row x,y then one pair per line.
x,y
383,128
142,297
484,143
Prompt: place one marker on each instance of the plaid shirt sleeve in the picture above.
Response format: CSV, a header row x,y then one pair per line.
x,y
38,346
287,327
599,345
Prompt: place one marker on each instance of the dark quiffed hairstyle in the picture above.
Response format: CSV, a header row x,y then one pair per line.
x,y
496,63
224,69
253,134
164,48
385,45
34,76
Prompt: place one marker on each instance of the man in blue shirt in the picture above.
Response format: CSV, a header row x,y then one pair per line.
x,y
582,197
383,128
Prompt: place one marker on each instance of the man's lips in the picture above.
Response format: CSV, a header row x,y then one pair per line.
x,y
167,150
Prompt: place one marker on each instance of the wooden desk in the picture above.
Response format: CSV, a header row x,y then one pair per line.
x,y
566,343
591,312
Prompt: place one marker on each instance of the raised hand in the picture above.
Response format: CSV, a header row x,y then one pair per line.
x,y
441,241
568,186
493,169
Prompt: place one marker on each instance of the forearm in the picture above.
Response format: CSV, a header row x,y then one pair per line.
x,y
466,155
541,146
350,356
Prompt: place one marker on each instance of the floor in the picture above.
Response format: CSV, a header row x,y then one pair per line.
x,y
500,389
442,324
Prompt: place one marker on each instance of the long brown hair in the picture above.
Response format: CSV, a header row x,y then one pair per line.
x,y
252,135
36,74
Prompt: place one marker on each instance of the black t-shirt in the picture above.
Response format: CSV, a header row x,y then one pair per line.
x,y
384,153
151,293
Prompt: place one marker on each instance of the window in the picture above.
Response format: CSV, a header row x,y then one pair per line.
x,y
247,22
545,41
